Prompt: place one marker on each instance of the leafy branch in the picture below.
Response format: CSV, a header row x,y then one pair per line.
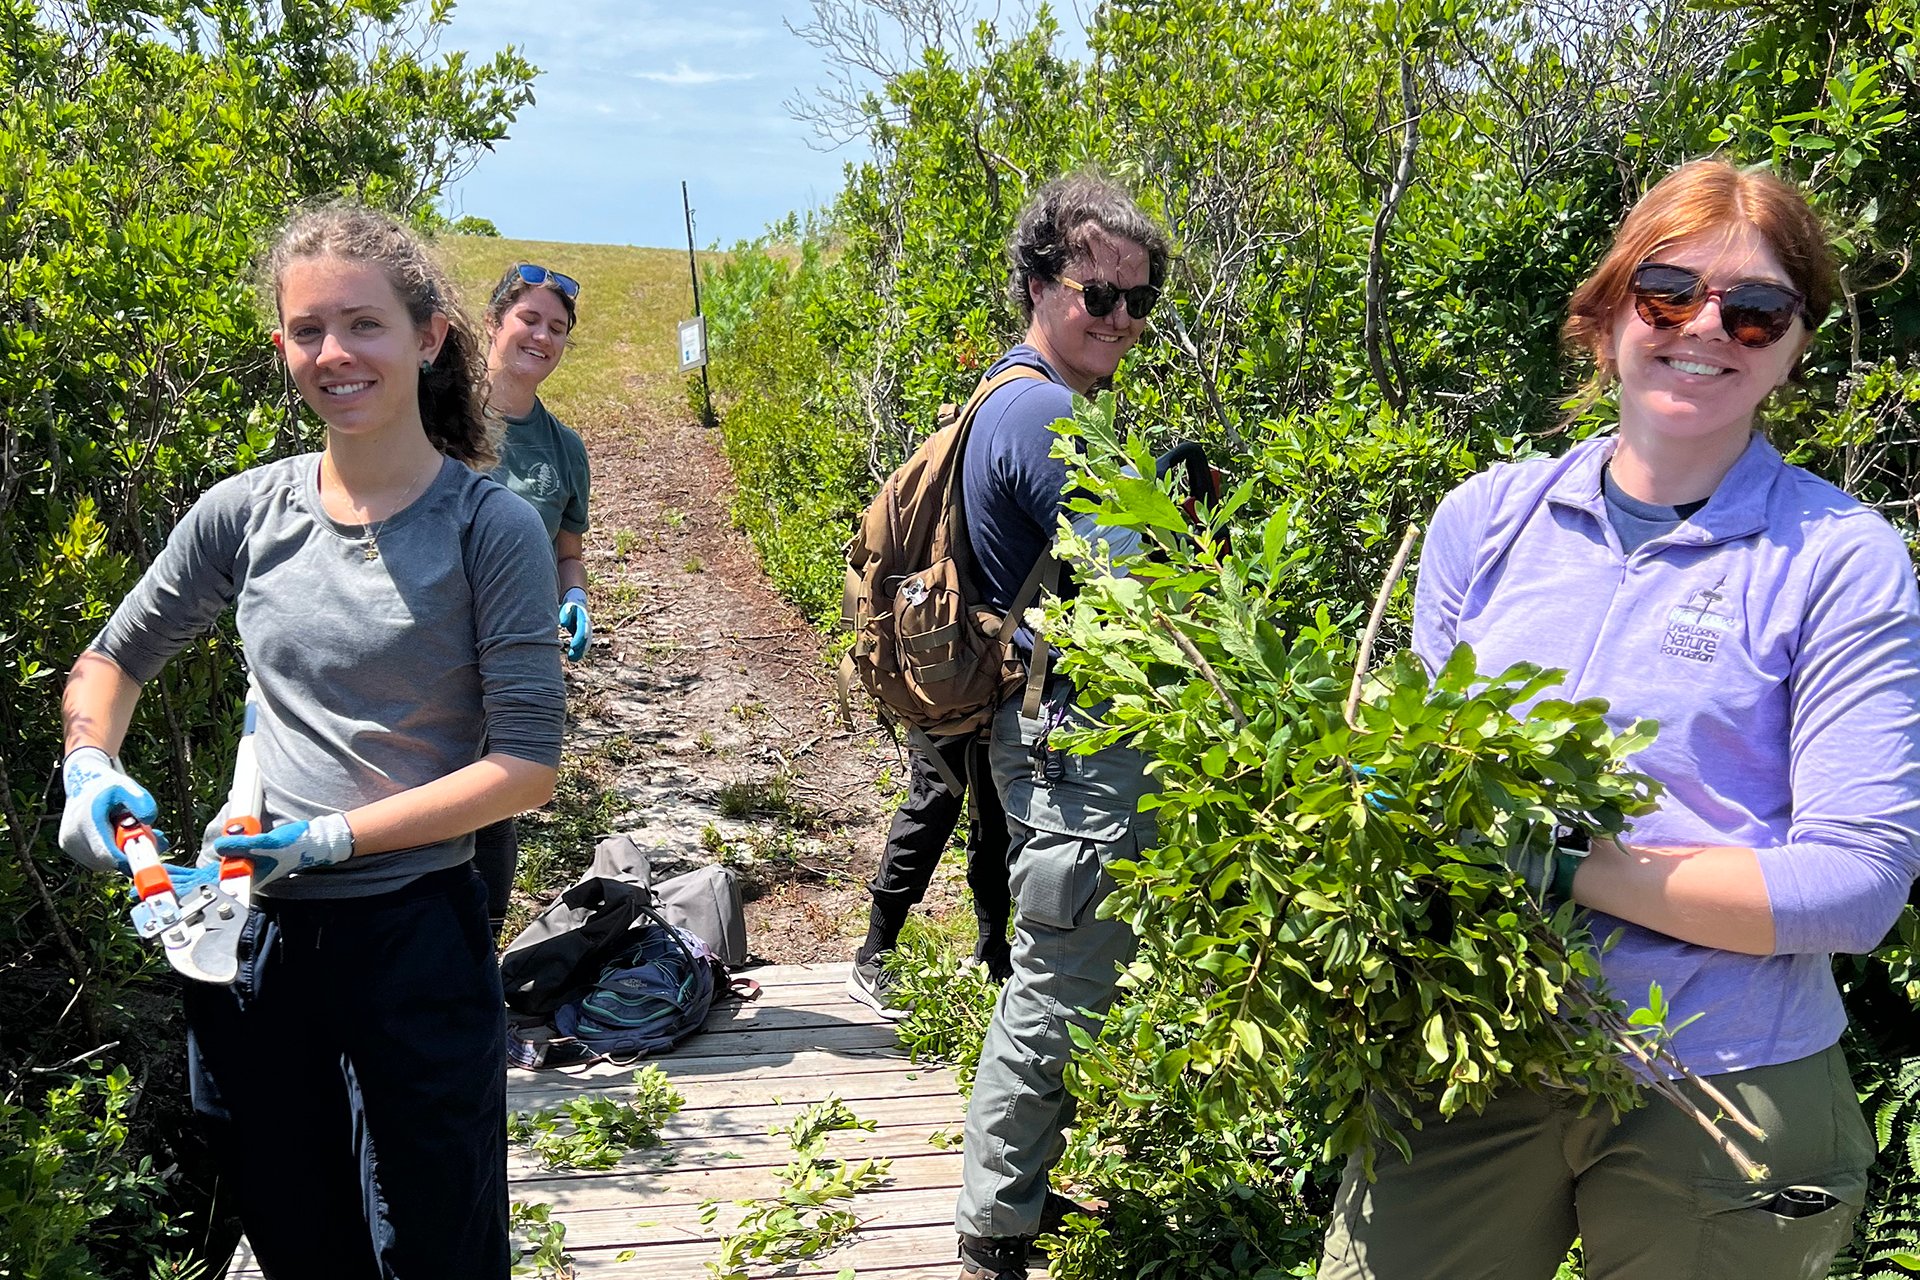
x,y
809,1216
544,1252
1330,890
595,1132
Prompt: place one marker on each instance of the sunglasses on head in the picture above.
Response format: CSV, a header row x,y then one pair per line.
x,y
1101,297
1755,314
569,287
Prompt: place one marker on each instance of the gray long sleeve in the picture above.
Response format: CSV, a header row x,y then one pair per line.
x,y
376,676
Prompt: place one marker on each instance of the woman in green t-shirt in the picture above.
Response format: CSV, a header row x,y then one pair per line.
x,y
529,317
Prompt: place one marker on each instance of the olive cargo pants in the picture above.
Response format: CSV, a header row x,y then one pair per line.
x,y
1501,1195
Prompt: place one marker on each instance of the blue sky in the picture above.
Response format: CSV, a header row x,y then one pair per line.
x,y
633,97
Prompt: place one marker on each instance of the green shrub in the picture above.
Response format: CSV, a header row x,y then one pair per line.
x,y
1245,1198
798,471
75,1204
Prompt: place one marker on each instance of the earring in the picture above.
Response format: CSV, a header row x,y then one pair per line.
x,y
426,366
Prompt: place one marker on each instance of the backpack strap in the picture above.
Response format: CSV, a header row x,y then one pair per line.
x,y
1036,677
673,934
923,742
953,515
1046,570
844,677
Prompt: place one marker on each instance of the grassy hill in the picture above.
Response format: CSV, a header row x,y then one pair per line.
x,y
630,302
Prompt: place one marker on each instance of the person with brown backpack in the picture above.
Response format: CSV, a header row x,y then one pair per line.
x,y
947,559
939,577
1086,268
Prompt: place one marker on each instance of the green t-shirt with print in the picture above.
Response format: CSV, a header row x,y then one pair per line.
x,y
544,462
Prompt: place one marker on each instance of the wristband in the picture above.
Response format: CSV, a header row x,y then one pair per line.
x,y
1571,845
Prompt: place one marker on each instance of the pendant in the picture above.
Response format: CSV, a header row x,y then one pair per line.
x,y
371,553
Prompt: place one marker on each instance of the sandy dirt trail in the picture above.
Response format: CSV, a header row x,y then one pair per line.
x,y
706,705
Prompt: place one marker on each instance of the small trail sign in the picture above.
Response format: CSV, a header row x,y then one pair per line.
x,y
693,344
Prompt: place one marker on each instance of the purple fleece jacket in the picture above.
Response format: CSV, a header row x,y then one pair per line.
x,y
1775,636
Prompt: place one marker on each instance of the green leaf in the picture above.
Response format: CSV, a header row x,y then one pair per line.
x,y
1434,1036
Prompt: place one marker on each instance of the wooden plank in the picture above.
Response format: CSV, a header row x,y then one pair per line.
x,y
740,1151
651,1226
750,1025
701,1095
736,1125
726,1067
697,1092
797,975
638,1190
602,1264
931,1249
733,1019
754,1067
716,1049
606,1264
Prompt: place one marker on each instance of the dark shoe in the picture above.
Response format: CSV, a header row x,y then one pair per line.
x,y
1003,1259
870,984
996,956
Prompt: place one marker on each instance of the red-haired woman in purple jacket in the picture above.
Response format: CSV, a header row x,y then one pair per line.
x,y
1681,570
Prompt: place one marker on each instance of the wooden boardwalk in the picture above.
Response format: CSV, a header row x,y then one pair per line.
x,y
754,1066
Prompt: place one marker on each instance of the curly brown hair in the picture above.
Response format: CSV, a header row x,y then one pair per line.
x,y
451,400
1051,231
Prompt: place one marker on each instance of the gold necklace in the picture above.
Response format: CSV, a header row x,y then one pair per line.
x,y
370,546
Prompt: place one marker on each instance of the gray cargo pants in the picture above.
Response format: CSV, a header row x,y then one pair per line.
x,y
1065,964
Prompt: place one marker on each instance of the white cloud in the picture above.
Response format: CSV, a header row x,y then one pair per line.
x,y
683,76
603,32
601,155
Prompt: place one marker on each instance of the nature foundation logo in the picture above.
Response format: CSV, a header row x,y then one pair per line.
x,y
1694,628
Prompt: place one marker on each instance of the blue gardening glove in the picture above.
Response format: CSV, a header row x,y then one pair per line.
x,y
206,867
1378,797
96,789
1548,863
291,847
573,621
187,879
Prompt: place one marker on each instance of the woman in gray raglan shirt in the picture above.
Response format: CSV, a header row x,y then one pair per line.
x,y
396,606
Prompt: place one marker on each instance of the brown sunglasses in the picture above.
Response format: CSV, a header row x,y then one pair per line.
x,y
1755,314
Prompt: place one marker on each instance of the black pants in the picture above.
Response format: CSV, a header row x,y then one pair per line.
x,y
496,855
353,1083
922,828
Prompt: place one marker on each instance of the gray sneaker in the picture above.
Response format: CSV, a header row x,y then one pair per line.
x,y
869,983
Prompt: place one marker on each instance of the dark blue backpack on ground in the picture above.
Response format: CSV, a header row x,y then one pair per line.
x,y
649,997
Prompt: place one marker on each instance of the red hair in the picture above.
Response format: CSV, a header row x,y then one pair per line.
x,y
1699,198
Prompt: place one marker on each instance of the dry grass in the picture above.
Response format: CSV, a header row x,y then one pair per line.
x,y
631,300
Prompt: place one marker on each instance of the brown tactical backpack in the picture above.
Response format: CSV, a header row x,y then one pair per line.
x,y
924,646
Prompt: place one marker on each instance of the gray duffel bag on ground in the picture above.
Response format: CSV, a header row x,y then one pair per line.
x,y
705,901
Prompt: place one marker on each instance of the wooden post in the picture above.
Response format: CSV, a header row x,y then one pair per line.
x,y
693,269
